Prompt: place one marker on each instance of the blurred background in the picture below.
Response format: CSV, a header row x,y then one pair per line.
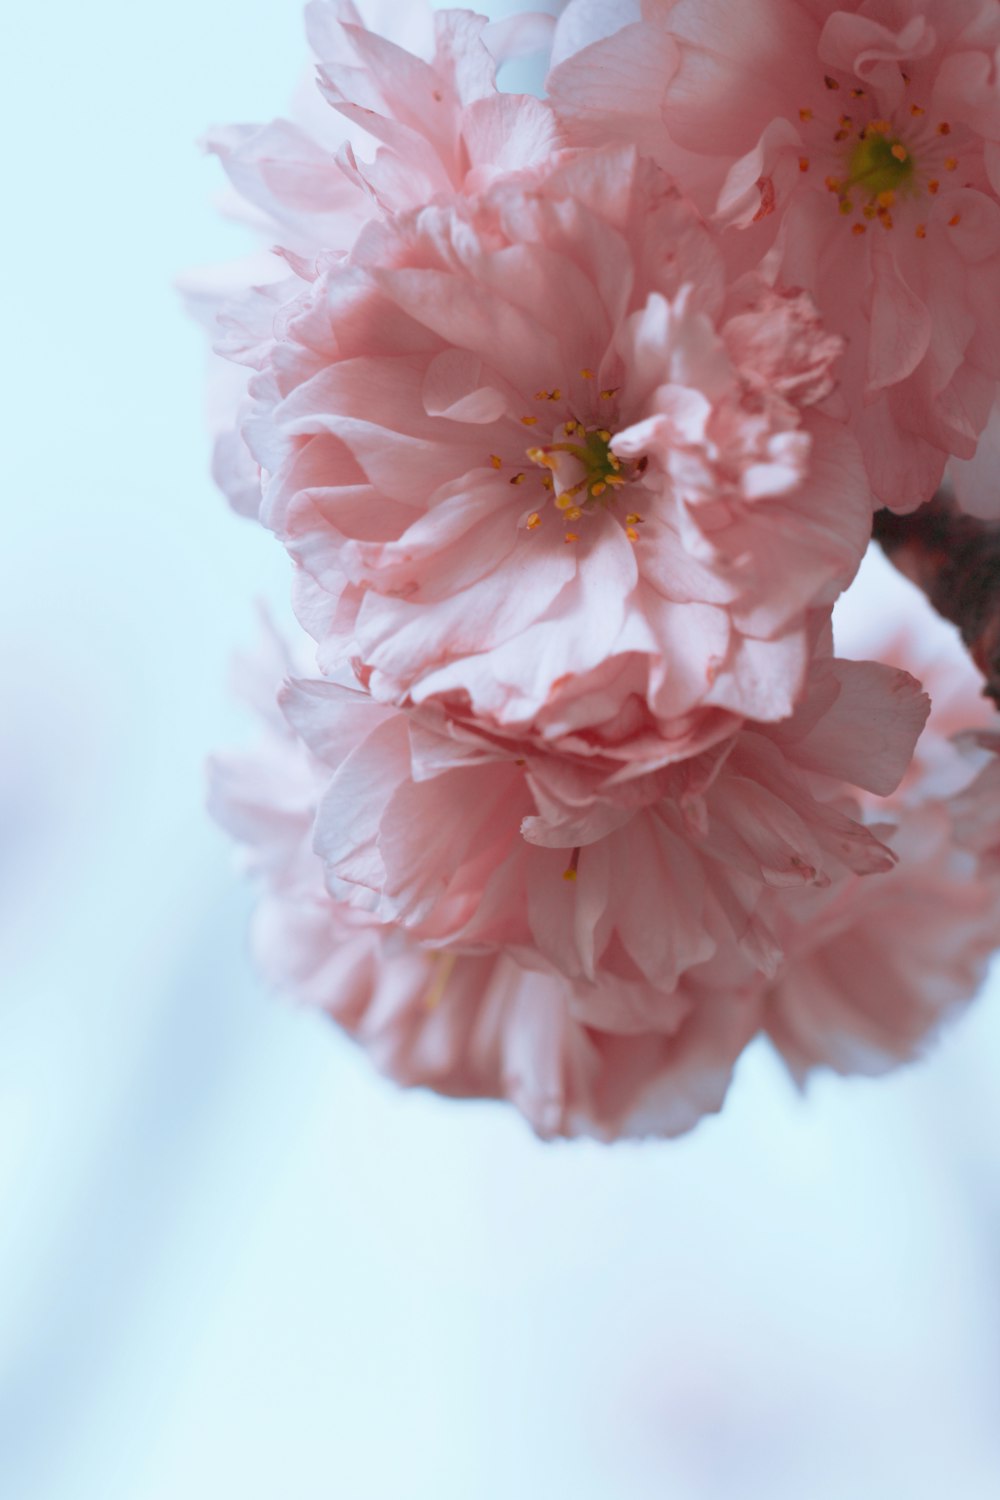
x,y
233,1262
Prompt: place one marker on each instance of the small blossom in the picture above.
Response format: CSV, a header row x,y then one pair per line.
x,y
857,149
526,462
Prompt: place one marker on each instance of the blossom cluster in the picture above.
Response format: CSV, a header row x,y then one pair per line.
x,y
573,414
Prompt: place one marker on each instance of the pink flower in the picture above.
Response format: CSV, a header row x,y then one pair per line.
x,y
531,463
858,149
874,968
463,1024
636,889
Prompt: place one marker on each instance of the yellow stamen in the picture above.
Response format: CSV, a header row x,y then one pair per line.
x,y
598,489
529,421
633,518
900,152
955,220
921,231
951,164
574,513
610,393
587,374
517,479
886,199
916,111
496,460
534,521
631,533
803,163
571,536
805,115
574,864
859,228
831,83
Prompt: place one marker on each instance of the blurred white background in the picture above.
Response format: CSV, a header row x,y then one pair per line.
x,y
232,1261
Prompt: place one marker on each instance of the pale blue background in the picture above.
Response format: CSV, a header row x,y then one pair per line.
x,y
232,1262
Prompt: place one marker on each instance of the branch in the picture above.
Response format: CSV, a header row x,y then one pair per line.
x,y
955,559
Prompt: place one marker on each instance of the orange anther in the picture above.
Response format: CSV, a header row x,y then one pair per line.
x,y
831,83
944,128
803,163
533,521
899,152
496,460
859,228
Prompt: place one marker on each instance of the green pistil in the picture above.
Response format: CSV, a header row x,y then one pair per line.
x,y
879,164
602,470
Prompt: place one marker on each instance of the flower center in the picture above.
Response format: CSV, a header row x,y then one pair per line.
x,y
879,164
581,473
598,468
874,164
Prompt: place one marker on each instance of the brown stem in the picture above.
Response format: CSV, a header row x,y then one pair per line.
x,y
955,559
